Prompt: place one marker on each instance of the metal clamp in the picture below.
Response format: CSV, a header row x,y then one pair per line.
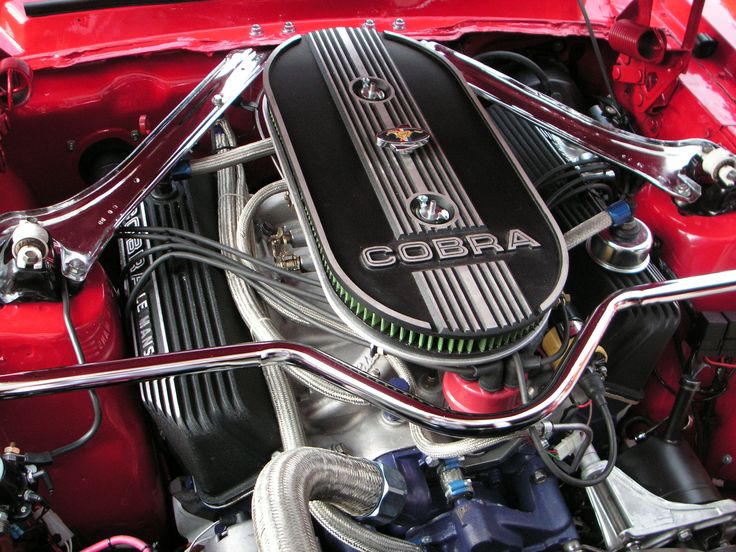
x,y
81,226
660,162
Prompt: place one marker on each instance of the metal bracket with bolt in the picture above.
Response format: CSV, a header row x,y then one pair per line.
x,y
662,163
628,514
80,227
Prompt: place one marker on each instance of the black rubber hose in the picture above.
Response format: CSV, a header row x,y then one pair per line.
x,y
94,399
182,236
503,55
556,470
192,253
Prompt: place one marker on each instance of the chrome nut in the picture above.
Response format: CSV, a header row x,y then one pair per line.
x,y
30,245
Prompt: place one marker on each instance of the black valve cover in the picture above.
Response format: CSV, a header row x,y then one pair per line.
x,y
427,229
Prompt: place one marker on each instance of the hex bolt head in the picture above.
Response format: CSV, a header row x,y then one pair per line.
x,y
539,477
75,269
256,30
289,28
399,24
30,256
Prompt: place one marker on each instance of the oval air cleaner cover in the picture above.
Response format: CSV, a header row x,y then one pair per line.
x,y
432,241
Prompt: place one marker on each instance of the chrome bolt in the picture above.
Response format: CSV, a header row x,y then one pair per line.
x,y
218,100
399,24
539,477
289,28
685,535
369,24
75,269
71,145
30,256
431,462
256,30
727,459
370,90
683,189
429,211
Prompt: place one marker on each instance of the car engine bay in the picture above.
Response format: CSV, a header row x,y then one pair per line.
x,y
363,289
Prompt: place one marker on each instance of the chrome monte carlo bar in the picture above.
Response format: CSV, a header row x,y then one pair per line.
x,y
377,392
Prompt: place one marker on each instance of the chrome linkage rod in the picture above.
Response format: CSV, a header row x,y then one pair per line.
x,y
377,392
660,162
81,226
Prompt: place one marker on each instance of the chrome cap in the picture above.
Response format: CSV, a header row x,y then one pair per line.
x,y
623,249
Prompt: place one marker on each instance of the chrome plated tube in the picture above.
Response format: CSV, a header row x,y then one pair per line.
x,y
380,394
660,162
82,225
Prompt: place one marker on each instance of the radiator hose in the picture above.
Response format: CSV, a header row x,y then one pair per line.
x,y
290,481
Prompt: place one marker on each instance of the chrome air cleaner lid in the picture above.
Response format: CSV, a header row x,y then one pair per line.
x,y
432,241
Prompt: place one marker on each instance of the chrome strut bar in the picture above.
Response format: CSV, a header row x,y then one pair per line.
x,y
362,384
658,161
82,225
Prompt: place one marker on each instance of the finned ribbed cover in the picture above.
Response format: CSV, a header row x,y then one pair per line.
x,y
427,229
219,425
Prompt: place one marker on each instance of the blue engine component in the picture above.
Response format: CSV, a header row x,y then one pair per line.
x,y
515,504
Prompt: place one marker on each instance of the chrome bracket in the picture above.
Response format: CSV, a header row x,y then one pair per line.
x,y
82,225
660,162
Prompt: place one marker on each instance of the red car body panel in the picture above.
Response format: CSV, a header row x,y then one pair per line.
x,y
117,65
